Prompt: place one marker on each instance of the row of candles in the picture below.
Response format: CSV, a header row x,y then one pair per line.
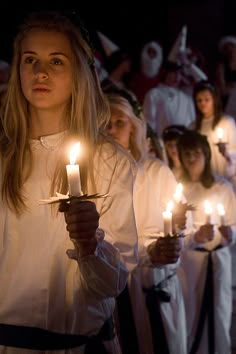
x,y
208,209
74,182
73,173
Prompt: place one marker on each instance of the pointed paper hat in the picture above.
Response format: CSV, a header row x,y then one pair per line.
x,y
179,45
197,73
108,46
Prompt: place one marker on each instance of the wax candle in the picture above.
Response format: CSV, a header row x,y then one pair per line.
x,y
208,211
73,172
220,134
167,218
221,213
178,193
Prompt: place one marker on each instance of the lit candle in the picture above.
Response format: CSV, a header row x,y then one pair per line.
x,y
208,211
167,218
221,213
178,193
73,173
220,134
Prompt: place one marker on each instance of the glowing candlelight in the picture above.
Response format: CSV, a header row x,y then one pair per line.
x,y
167,218
221,213
178,193
73,173
208,211
220,134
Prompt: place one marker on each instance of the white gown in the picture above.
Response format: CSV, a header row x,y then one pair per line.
x,y
165,105
218,162
40,285
192,270
154,187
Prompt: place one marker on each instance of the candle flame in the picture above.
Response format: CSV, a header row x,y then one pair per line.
x,y
221,209
220,133
178,192
74,152
170,205
207,207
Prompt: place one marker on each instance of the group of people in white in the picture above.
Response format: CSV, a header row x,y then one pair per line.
x,y
181,302
145,266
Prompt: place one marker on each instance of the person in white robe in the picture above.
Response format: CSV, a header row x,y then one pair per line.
x,y
166,104
154,187
205,267
60,270
219,128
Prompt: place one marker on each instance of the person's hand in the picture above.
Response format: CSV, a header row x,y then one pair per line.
x,y
82,221
205,233
165,250
226,232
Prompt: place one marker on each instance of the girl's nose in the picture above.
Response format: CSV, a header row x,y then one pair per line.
x,y
41,71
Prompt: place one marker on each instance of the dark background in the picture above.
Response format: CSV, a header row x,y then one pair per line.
x,y
130,25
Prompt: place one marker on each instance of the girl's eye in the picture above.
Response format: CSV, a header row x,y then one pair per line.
x,y
29,60
56,61
120,123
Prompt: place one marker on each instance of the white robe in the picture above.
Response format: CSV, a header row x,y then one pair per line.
x,y
218,162
154,187
192,270
166,105
40,285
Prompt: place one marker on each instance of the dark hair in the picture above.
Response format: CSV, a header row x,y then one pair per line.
x,y
109,87
205,85
191,140
115,59
173,132
156,146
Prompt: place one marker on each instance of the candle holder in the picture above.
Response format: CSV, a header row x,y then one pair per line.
x,y
68,198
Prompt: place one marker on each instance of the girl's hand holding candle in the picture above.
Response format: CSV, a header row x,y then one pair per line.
x,y
73,172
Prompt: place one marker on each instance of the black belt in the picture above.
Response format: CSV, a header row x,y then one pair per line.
x,y
207,307
128,335
41,339
154,296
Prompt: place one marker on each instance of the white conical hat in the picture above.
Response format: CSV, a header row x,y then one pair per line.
x,y
108,46
197,73
179,45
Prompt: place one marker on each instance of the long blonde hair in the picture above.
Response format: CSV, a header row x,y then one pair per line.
x,y
138,142
89,111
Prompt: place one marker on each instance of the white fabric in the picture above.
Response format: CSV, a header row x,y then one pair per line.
x,y
150,66
179,45
192,270
226,40
154,187
43,287
165,105
108,46
218,162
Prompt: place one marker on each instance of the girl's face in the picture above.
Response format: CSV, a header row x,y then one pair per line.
x,y
171,150
194,162
46,69
205,103
120,128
